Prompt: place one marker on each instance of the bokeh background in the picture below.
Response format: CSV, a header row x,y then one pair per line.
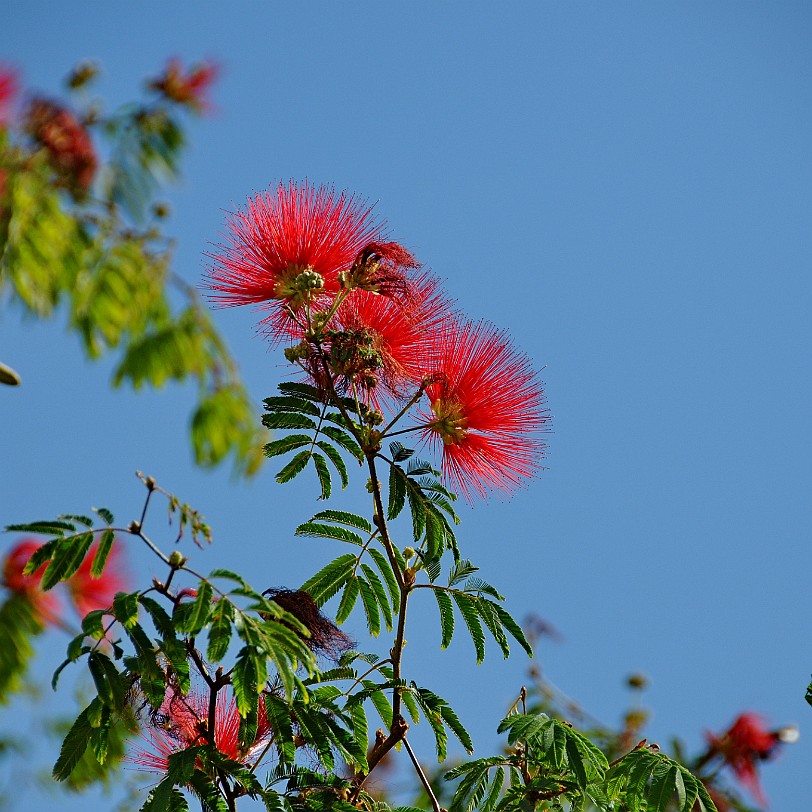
x,y
628,188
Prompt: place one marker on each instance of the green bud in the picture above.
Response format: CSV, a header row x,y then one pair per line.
x,y
177,559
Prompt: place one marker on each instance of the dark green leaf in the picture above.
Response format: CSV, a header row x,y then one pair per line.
x,y
220,630
446,616
285,444
334,457
279,420
324,476
125,609
294,467
318,530
102,551
191,616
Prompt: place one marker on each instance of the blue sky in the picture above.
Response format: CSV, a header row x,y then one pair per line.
x,y
627,188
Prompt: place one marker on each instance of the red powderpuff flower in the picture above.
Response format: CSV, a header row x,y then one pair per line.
x,y
486,407
282,234
45,604
182,721
742,746
404,330
8,91
67,141
187,87
89,593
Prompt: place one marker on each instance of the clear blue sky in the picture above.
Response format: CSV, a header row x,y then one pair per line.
x,y
628,188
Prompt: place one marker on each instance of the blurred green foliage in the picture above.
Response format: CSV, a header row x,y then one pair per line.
x,y
93,246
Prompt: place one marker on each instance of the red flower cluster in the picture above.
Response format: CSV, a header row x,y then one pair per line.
x,y
66,140
188,87
742,746
321,264
85,592
182,721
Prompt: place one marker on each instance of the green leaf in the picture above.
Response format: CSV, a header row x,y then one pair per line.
x,y
285,444
344,440
280,420
222,619
342,517
329,580
232,576
294,467
67,557
102,552
388,575
125,608
74,744
291,404
93,624
397,492
468,610
191,616
337,460
345,606
370,607
245,679
318,530
161,620
280,722
175,652
43,528
512,627
446,616
105,515
324,476
380,594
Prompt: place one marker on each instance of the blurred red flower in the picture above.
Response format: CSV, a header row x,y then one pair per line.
x,y
282,234
487,405
182,721
89,593
187,87
742,746
8,91
45,604
67,141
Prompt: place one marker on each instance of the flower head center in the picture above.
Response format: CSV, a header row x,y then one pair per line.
x,y
451,424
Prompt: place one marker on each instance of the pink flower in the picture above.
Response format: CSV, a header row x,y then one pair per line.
x,y
487,407
282,234
66,140
45,604
403,331
182,721
89,593
742,746
187,87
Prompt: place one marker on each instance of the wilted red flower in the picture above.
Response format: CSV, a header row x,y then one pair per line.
x,y
45,604
325,637
8,90
182,721
404,330
187,87
282,234
487,405
89,593
67,141
742,746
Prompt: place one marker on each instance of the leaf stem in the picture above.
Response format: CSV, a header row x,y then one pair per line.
x,y
423,780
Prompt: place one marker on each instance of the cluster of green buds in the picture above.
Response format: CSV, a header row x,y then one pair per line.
x,y
353,355
308,280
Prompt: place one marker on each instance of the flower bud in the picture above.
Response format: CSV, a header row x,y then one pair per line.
x,y
177,559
